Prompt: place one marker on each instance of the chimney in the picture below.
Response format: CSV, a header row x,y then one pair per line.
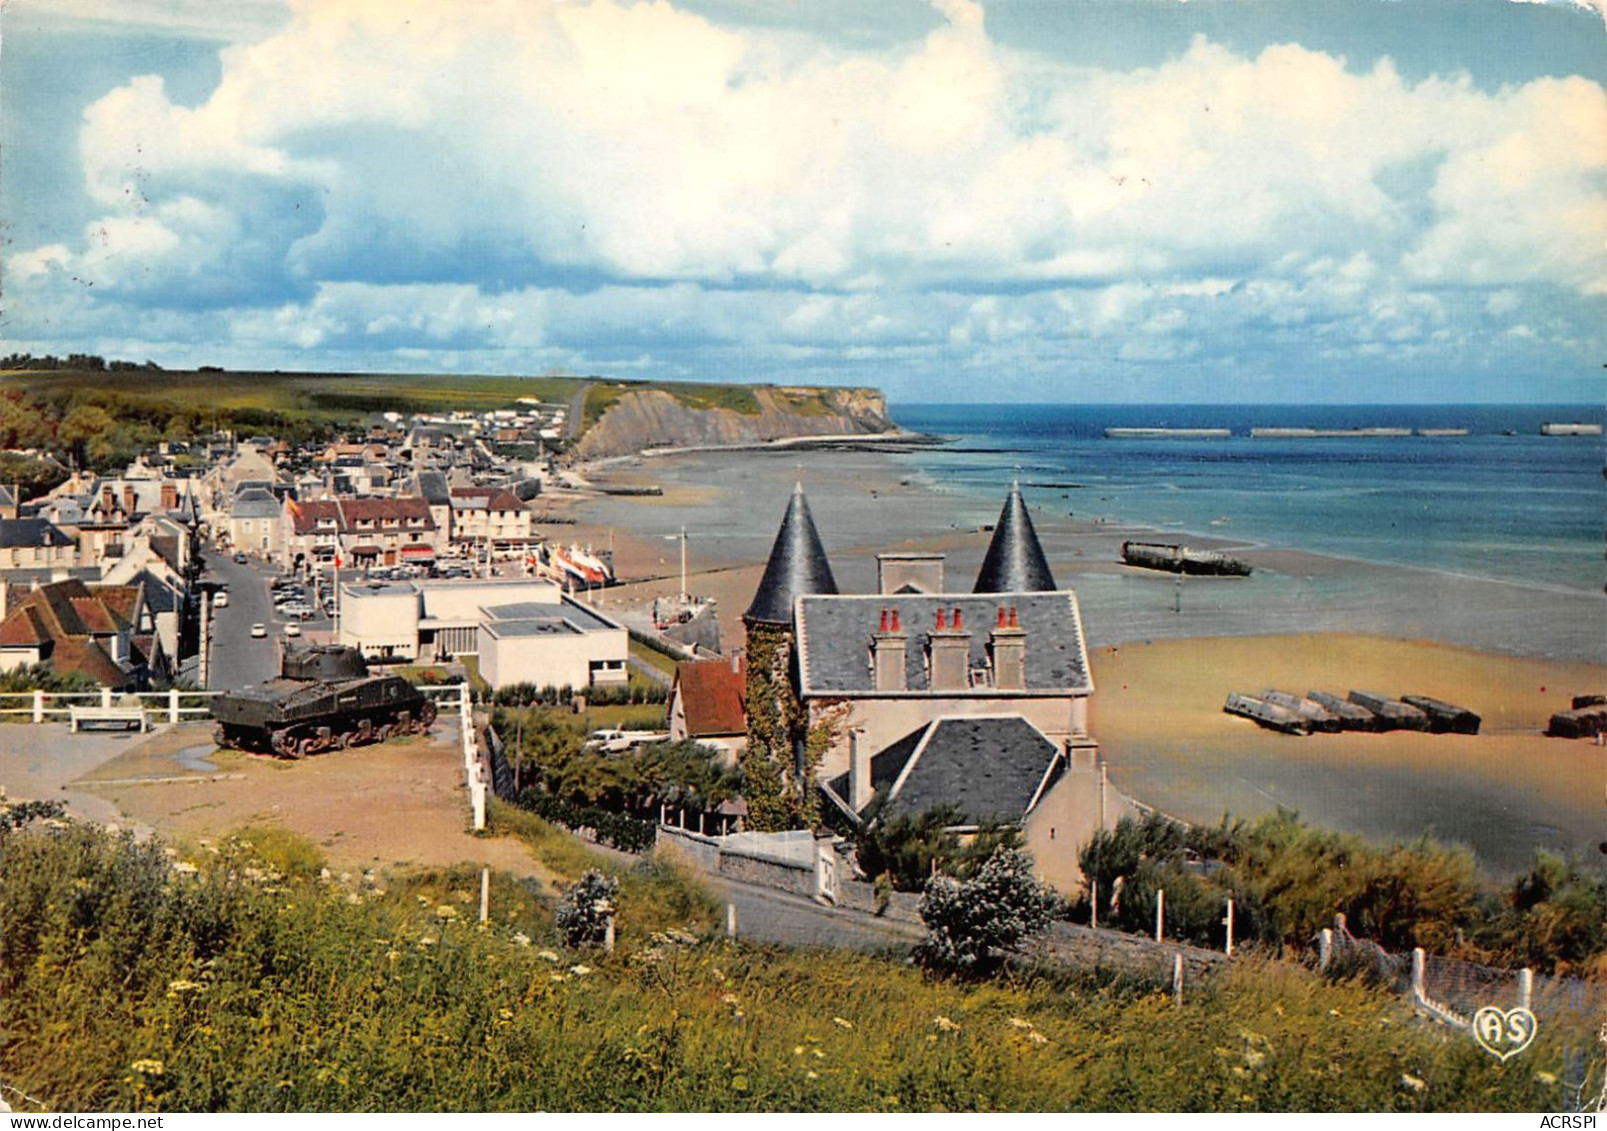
x,y
888,655
1007,645
130,499
107,498
170,496
950,654
860,790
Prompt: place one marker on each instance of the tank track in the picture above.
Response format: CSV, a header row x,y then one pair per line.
x,y
299,741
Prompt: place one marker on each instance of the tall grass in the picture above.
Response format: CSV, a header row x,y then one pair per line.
x,y
131,980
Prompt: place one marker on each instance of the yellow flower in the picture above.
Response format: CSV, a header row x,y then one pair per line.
x,y
1020,1023
731,999
944,1025
1415,1083
580,971
1037,1038
146,1067
445,912
841,1023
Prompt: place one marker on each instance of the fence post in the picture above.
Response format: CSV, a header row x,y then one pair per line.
x,y
1160,912
105,697
1093,904
608,934
730,920
38,706
1419,965
485,894
1230,929
1325,948
172,704
1177,979
1525,987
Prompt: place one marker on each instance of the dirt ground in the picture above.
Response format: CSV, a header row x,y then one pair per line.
x,y
1157,714
399,804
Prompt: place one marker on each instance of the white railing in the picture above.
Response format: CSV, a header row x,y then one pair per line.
x,y
42,706
476,774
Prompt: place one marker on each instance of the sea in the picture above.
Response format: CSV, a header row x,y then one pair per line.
x,y
1502,501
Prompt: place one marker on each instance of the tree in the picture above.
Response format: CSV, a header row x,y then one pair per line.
x,y
973,925
910,847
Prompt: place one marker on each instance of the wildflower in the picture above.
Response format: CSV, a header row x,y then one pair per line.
x,y
944,1025
798,1050
393,955
1545,1078
1037,1038
182,986
560,977
521,939
423,900
1415,1083
818,1054
580,971
427,940
682,938
324,873
546,956
718,976
445,912
731,999
505,1014
1021,1023
1253,1058
147,1067
812,1074
841,1023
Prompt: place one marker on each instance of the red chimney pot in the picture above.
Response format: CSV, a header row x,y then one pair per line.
x,y
959,623
1013,622
942,620
896,627
882,627
1001,623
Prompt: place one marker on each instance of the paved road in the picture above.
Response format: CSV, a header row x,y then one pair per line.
x,y
237,658
766,915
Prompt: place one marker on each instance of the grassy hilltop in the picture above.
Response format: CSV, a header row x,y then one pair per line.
x,y
101,418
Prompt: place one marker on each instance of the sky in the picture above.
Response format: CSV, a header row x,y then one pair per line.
x,y
1238,201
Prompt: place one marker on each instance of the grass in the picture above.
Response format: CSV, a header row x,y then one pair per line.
x,y
652,657
134,981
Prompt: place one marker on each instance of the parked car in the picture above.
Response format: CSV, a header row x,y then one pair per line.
x,y
239,559
292,629
258,631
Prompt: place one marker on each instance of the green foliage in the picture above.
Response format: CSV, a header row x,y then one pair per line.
x,y
17,814
1288,880
624,832
909,849
42,677
283,850
583,913
973,925
779,797
131,982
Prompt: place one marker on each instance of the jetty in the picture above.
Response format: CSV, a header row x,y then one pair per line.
x,y
1269,715
1564,429
1168,433
1442,431
1392,713
1443,717
1175,558
1316,715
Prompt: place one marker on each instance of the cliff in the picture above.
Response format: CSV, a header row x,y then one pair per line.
x,y
723,416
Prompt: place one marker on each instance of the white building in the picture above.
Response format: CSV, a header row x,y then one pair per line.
x,y
559,643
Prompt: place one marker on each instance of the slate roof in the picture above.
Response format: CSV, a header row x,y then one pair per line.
x,y
432,488
486,498
834,638
31,532
992,769
1015,562
255,503
797,566
711,693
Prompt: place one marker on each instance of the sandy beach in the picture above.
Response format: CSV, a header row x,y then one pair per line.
x,y
1511,652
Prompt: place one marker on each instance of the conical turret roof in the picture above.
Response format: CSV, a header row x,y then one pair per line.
x,y
1015,562
797,566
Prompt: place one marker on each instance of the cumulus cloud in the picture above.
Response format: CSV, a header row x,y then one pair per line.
x,y
516,174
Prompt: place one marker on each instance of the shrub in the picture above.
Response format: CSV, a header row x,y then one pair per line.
x,y
908,849
972,925
584,911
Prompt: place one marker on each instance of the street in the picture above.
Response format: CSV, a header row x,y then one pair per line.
x,y
238,659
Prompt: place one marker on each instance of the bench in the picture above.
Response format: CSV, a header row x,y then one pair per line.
x,y
104,716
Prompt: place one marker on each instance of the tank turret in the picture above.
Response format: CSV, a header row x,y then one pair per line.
x,y
323,699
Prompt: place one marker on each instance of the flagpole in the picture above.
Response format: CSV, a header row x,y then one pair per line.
x,y
337,596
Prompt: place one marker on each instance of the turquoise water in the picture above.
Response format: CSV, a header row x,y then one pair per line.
x,y
1502,502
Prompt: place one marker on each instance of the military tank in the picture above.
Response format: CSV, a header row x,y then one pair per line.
x,y
323,699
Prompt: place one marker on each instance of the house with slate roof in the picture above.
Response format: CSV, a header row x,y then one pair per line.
x,y
977,700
